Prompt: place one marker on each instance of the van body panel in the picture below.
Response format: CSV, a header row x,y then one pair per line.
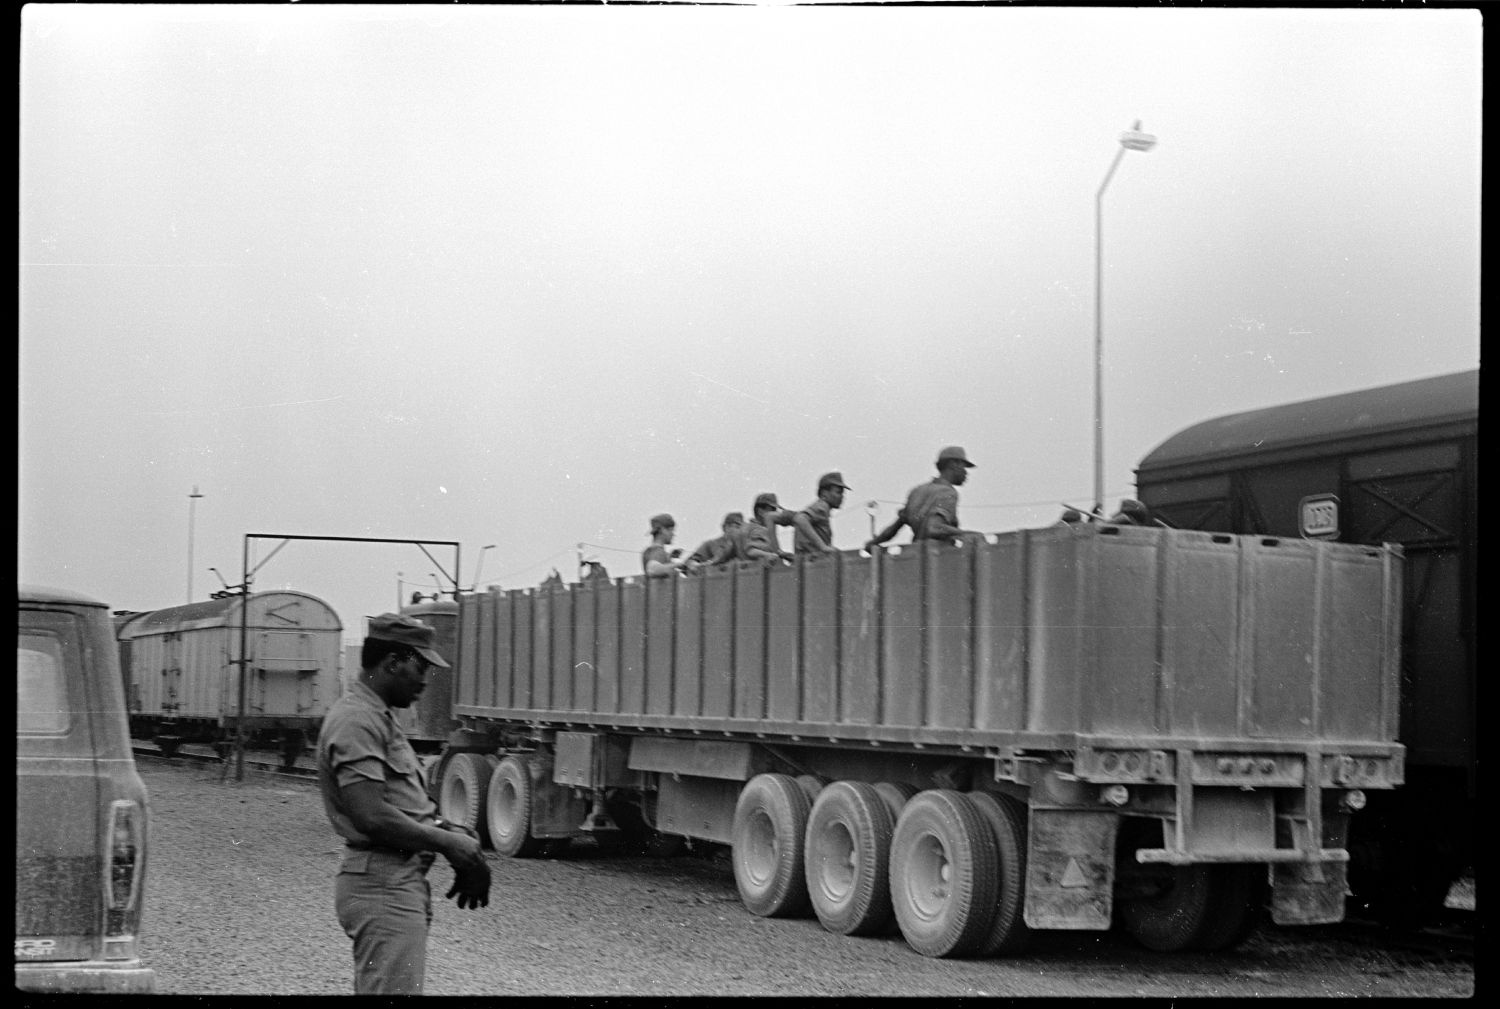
x,y
73,769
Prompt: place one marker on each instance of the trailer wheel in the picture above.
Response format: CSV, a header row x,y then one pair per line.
x,y
1237,897
508,809
848,855
1175,916
895,794
462,791
1007,818
168,745
943,874
770,823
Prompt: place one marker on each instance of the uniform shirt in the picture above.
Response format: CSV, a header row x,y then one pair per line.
x,y
820,513
935,498
655,552
710,548
360,741
764,537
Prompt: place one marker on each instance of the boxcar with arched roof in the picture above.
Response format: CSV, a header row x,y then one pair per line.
x,y
181,668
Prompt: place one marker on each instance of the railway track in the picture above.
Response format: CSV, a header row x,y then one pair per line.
x,y
260,761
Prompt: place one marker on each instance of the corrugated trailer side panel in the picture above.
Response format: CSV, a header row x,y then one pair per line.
x,y
1200,648
901,622
633,649
859,641
660,628
687,662
783,634
1001,653
585,648
1120,671
1051,633
541,650
948,654
748,675
607,680
561,651
819,659
1280,699
466,688
1054,588
1353,648
718,642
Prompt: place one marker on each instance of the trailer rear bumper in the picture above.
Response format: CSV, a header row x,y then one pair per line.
x,y
1164,856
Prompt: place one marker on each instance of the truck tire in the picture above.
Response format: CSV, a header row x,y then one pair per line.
x,y
1007,818
1175,916
1236,902
895,794
848,856
943,874
462,791
770,823
508,809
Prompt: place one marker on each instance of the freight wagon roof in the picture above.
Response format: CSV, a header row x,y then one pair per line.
x,y
1426,402
209,611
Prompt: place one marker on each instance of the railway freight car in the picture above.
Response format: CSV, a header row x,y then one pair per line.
x,y
1053,729
1394,464
181,669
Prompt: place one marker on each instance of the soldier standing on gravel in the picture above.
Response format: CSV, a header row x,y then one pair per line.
x,y
376,799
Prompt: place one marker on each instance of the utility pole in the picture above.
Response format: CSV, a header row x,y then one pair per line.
x,y
192,502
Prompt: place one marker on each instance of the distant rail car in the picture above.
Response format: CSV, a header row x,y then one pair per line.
x,y
181,669
1393,464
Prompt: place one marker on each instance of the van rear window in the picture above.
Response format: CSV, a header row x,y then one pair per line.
x,y
41,683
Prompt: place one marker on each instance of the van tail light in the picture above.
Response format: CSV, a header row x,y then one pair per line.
x,y
126,843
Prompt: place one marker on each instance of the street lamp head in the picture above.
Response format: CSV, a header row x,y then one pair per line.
x,y
1134,140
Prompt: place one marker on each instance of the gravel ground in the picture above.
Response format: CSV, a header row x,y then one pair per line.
x,y
240,901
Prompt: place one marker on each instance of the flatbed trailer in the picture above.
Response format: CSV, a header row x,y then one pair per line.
x,y
1050,729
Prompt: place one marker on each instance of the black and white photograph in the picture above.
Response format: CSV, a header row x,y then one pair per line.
x,y
748,499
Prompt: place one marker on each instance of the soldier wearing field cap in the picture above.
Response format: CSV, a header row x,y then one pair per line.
x,y
733,528
814,524
375,796
760,542
931,509
1132,513
657,560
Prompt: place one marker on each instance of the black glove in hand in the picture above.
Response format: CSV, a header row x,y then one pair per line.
x,y
472,887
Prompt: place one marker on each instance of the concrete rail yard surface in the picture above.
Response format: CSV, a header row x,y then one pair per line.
x,y
240,901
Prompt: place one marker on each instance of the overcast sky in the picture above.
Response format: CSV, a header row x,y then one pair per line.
x,y
525,276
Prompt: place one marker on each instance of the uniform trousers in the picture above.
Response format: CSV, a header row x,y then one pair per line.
x,y
384,904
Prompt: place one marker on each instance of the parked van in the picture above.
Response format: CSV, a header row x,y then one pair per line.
x,y
81,810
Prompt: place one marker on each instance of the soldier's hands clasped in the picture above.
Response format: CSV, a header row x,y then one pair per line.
x,y
471,873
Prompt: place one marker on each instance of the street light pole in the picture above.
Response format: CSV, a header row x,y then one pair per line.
x,y
479,565
192,502
1131,140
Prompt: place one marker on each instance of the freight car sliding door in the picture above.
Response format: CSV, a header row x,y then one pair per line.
x,y
285,678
